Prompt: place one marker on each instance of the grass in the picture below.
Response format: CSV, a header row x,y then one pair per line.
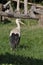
x,y
30,50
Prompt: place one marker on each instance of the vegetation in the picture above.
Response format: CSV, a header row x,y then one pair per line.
x,y
42,2
30,49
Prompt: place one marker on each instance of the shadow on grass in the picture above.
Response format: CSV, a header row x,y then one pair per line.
x,y
6,21
23,46
19,60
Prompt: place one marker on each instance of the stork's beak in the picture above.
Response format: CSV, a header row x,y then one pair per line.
x,y
21,22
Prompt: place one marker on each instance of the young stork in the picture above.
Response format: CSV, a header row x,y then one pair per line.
x,y
15,35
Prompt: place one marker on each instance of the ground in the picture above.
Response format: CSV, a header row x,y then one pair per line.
x,y
30,49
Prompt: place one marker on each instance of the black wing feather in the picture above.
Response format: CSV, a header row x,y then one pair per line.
x,y
14,39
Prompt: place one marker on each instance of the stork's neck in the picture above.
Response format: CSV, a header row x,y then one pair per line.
x,y
18,25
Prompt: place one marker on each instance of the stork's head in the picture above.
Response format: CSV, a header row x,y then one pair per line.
x,y
19,21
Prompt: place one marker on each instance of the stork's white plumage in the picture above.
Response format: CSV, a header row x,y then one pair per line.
x,y
17,29
15,35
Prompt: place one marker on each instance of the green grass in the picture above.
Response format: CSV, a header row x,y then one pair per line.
x,y
30,50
